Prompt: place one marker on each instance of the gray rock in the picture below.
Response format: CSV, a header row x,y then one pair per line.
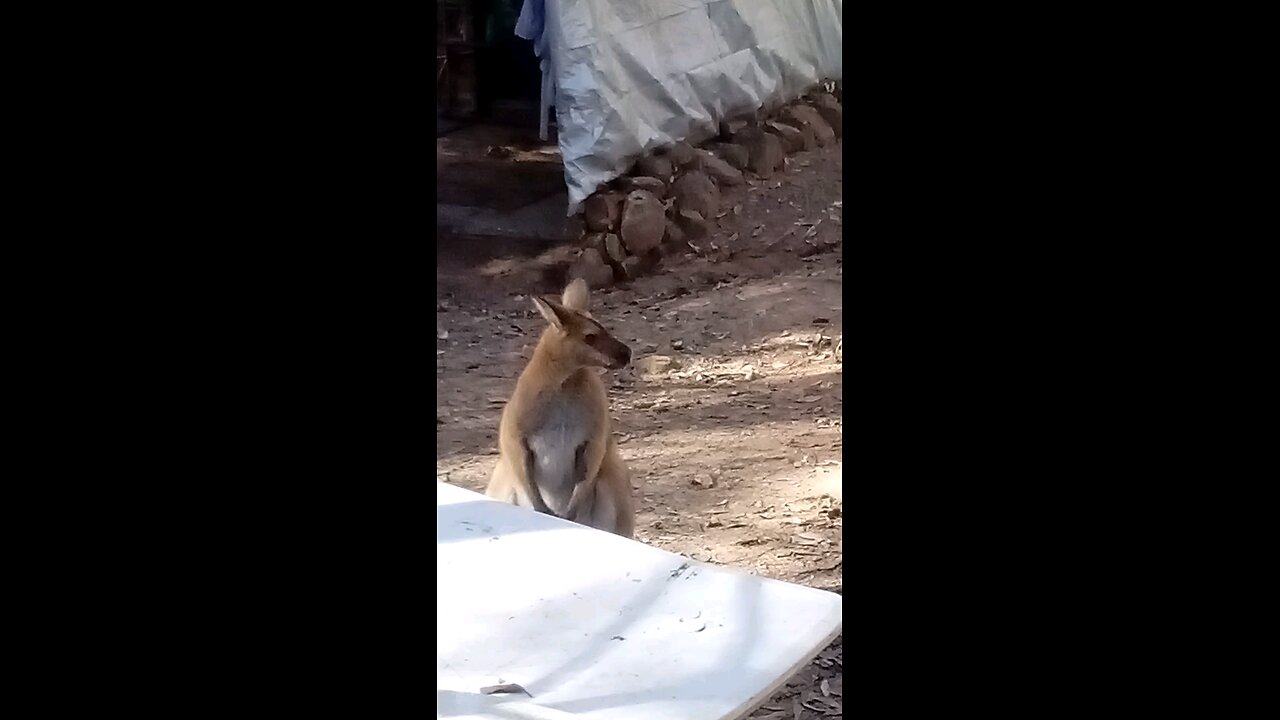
x,y
644,222
803,116
830,110
693,224
732,153
694,191
633,267
718,170
591,267
594,240
792,139
674,237
602,211
650,184
613,249
655,166
731,128
821,98
681,154
766,154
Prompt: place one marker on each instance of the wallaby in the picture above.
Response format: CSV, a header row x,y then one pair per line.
x,y
555,444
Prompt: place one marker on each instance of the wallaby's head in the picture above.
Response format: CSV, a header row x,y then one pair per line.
x,y
582,340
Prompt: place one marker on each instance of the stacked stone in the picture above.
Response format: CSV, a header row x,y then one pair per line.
x,y
671,197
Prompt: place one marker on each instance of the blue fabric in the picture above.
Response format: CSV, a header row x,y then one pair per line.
x,y
532,26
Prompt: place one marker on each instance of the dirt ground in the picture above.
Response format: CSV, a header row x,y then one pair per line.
x,y
729,416
496,166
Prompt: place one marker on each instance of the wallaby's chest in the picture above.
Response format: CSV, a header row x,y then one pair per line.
x,y
562,425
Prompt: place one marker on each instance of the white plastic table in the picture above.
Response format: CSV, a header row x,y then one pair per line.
x,y
595,626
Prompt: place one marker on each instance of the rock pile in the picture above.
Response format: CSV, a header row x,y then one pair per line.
x,y
672,196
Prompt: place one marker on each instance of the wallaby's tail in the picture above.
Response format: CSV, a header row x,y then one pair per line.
x,y
575,295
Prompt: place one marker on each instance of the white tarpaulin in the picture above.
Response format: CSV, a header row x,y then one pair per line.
x,y
635,75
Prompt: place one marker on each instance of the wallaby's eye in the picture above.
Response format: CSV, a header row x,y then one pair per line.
x,y
589,337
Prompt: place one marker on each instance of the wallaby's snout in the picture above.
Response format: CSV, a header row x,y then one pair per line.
x,y
621,356
612,353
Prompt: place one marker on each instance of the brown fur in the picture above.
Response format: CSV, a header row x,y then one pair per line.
x,y
555,442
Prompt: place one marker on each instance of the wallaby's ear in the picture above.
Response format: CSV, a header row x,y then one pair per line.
x,y
575,295
554,313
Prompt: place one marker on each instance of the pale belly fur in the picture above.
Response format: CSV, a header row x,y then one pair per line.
x,y
565,426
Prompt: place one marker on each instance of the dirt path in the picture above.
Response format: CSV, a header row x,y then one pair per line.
x,y
730,416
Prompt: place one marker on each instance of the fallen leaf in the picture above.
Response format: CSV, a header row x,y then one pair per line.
x,y
813,705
